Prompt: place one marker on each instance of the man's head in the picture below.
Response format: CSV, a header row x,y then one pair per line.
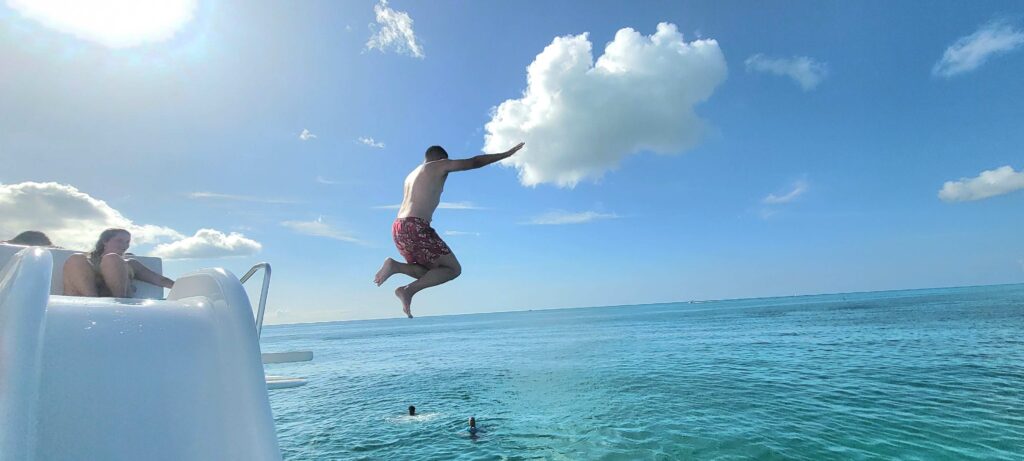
x,y
435,153
412,410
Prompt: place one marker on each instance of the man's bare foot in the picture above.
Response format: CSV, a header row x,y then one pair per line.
x,y
386,270
406,299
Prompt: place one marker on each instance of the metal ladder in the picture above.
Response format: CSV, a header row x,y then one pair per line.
x,y
263,292
274,382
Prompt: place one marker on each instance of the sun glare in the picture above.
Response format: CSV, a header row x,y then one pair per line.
x,y
113,23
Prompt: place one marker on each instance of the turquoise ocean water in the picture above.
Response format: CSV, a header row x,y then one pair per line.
x,y
921,374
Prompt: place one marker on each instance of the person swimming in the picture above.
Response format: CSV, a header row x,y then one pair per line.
x,y
472,426
412,410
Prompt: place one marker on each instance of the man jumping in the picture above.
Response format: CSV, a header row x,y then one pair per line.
x,y
428,258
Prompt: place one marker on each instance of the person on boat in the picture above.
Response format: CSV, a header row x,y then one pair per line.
x,y
428,258
30,238
105,271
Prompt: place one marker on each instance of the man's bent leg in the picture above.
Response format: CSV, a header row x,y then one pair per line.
x,y
392,267
443,269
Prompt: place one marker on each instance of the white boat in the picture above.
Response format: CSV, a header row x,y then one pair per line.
x,y
179,378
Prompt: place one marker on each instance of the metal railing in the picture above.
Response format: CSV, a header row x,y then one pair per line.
x,y
263,292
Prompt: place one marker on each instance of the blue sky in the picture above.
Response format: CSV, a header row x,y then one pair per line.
x,y
792,148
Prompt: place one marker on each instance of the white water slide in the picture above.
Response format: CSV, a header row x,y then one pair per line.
x,y
179,378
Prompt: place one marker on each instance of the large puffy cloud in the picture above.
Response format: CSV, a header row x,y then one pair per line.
x,y
208,243
71,218
989,183
579,119
970,52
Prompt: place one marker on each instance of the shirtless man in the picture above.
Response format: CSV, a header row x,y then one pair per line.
x,y
428,258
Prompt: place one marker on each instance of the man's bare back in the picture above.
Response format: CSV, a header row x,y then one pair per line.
x,y
423,189
429,260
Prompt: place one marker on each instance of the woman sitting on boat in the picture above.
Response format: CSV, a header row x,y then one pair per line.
x,y
105,271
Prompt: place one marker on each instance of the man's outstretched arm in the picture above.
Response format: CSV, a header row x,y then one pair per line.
x,y
481,160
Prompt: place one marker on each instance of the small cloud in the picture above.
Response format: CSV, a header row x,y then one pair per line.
x,y
393,32
767,213
798,189
440,206
989,183
306,135
772,202
208,243
323,180
458,206
319,228
805,71
371,142
564,217
237,198
970,52
455,233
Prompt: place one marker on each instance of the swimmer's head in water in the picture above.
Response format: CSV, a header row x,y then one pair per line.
x,y
412,410
472,421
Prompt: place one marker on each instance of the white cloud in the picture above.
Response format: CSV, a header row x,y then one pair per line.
x,y
393,32
798,189
805,71
71,218
458,206
323,180
440,206
371,142
970,52
989,183
564,217
319,228
112,23
580,119
455,233
236,198
208,243
767,213
306,135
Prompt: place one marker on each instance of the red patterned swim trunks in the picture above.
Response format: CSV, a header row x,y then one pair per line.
x,y
417,241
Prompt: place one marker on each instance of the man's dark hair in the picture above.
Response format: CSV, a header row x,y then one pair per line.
x,y
32,238
435,153
412,410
